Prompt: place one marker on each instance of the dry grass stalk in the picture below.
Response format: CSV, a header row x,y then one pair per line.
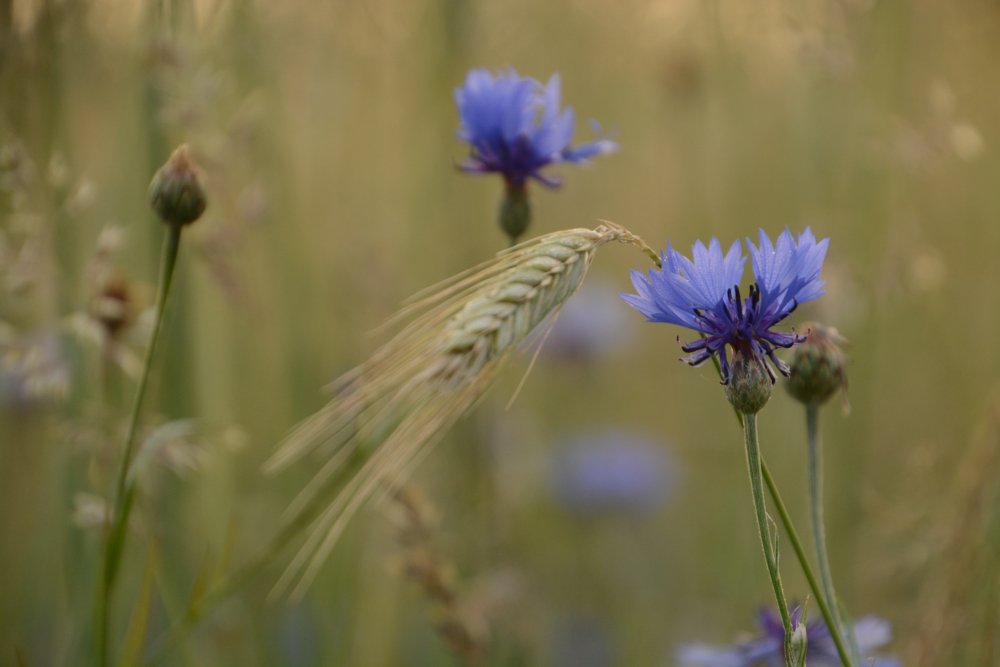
x,y
465,633
391,409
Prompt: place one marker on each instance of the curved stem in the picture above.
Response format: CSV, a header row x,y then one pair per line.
x,y
770,557
114,536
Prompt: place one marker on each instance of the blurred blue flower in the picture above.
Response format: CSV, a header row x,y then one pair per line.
x,y
612,470
582,641
514,126
704,295
871,632
589,326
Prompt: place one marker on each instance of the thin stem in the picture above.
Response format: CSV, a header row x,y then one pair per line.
x,y
754,465
818,525
800,553
114,537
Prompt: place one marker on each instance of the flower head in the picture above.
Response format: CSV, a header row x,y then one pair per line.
x,y
704,295
767,649
177,191
612,470
514,126
819,367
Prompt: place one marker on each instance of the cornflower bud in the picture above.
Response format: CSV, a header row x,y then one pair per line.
x,y
798,645
818,366
177,191
749,387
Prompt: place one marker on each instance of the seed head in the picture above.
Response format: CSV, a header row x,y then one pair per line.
x,y
112,305
749,386
390,410
818,366
177,192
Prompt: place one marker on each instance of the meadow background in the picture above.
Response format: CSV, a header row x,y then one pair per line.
x,y
326,131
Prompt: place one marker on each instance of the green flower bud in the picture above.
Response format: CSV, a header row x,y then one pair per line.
x,y
798,645
177,192
749,386
515,211
818,367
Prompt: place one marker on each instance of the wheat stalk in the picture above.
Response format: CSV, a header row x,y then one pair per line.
x,y
400,402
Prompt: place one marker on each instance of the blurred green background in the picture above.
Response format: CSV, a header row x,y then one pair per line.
x,y
326,132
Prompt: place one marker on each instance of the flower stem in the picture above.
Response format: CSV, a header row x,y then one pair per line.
x,y
114,535
797,546
800,553
818,526
770,557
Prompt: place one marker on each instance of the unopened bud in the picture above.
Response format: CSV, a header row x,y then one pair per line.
x,y
798,646
177,192
515,211
818,367
749,386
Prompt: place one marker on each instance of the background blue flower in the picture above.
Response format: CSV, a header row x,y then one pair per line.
x,y
767,649
612,470
514,126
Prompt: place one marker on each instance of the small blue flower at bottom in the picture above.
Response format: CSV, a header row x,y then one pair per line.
x,y
514,126
704,295
768,649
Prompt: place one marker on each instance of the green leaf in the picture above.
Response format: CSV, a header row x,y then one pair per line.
x,y
201,582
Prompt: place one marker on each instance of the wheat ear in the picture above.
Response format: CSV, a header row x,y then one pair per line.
x,y
395,406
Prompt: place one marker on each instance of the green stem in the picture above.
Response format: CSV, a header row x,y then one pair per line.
x,y
797,546
114,537
818,525
806,568
754,465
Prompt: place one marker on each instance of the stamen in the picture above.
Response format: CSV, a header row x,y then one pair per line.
x,y
739,302
770,373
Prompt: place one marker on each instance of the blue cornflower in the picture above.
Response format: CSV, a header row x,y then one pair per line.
x,y
589,327
704,295
768,649
612,470
514,126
